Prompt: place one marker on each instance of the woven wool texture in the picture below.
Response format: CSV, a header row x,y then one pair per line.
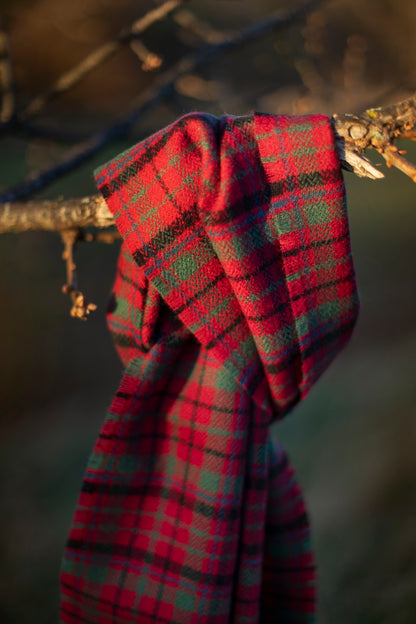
x,y
235,289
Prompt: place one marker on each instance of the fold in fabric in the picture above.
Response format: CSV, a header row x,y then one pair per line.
x,y
235,289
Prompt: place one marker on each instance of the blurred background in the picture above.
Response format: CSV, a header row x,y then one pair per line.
x,y
354,439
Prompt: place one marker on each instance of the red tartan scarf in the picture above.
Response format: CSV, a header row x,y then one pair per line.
x,y
234,291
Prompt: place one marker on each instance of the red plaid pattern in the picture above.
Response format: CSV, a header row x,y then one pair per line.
x,y
235,289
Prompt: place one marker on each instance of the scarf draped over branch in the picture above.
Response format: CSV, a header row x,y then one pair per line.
x,y
235,289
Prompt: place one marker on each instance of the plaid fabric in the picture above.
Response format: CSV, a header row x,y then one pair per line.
x,y
235,289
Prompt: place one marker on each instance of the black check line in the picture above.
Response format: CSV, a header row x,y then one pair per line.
x,y
204,509
200,293
218,338
314,245
129,549
103,600
182,495
127,280
304,293
313,347
306,180
132,169
167,235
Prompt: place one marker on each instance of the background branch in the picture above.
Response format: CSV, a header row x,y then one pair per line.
x,y
162,88
72,77
6,79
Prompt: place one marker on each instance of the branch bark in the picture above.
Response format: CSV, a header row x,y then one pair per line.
x,y
55,215
376,128
163,87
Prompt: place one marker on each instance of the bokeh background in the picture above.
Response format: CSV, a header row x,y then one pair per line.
x,y
354,439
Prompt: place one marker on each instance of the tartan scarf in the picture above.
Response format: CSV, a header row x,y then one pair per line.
x,y
235,289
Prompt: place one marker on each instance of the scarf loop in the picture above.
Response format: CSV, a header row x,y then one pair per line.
x,y
235,289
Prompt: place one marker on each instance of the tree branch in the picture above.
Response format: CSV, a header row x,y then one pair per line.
x,y
200,29
6,79
96,58
80,307
55,215
149,98
376,128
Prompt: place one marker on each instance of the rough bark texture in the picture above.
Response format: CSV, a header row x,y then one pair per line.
x,y
376,128
55,215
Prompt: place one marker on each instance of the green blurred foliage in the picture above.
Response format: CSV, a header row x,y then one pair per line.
x,y
354,439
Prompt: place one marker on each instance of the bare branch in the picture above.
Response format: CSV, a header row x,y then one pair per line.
x,y
149,98
55,215
376,128
97,57
6,79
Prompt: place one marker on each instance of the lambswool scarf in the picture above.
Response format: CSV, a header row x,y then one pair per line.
x,y
235,289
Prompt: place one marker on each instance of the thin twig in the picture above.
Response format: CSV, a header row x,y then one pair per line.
x,y
199,28
394,158
97,57
6,79
69,238
148,99
55,215
80,307
355,133
150,60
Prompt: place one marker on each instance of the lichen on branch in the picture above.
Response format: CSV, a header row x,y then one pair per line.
x,y
377,128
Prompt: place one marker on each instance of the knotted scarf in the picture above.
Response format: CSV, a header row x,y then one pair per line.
x,y
234,291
